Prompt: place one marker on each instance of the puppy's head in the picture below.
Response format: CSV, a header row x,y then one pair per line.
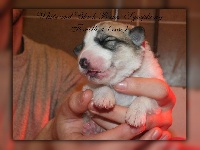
x,y
110,52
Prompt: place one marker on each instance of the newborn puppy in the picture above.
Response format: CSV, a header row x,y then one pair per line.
x,y
111,52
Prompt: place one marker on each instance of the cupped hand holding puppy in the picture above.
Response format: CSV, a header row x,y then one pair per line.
x,y
148,87
68,123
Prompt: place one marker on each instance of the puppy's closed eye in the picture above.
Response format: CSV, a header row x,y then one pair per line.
x,y
109,42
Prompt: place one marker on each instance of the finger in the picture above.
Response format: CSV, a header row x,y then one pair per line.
x,y
121,132
149,87
166,135
153,134
117,114
104,123
162,120
77,104
156,134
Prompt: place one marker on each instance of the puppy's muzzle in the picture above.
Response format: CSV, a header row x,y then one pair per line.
x,y
84,63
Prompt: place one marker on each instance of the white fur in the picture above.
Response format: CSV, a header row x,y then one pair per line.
x,y
126,63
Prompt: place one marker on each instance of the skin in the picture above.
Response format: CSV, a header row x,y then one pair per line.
x,y
68,123
142,87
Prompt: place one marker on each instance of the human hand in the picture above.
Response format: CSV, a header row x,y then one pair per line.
x,y
149,87
68,123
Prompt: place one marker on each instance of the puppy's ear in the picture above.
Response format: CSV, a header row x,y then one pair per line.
x,y
137,34
78,49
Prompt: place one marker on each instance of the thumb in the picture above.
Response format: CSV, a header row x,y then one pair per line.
x,y
76,105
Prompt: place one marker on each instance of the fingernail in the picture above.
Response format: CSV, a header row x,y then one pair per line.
x,y
156,135
121,86
164,137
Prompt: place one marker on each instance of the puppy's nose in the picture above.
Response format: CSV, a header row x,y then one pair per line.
x,y
84,63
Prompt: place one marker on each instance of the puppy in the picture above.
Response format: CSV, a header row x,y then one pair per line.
x,y
109,53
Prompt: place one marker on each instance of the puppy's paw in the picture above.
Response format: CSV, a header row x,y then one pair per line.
x,y
103,97
105,101
135,117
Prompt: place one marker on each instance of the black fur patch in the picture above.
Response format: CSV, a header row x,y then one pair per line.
x,y
137,34
78,48
107,41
